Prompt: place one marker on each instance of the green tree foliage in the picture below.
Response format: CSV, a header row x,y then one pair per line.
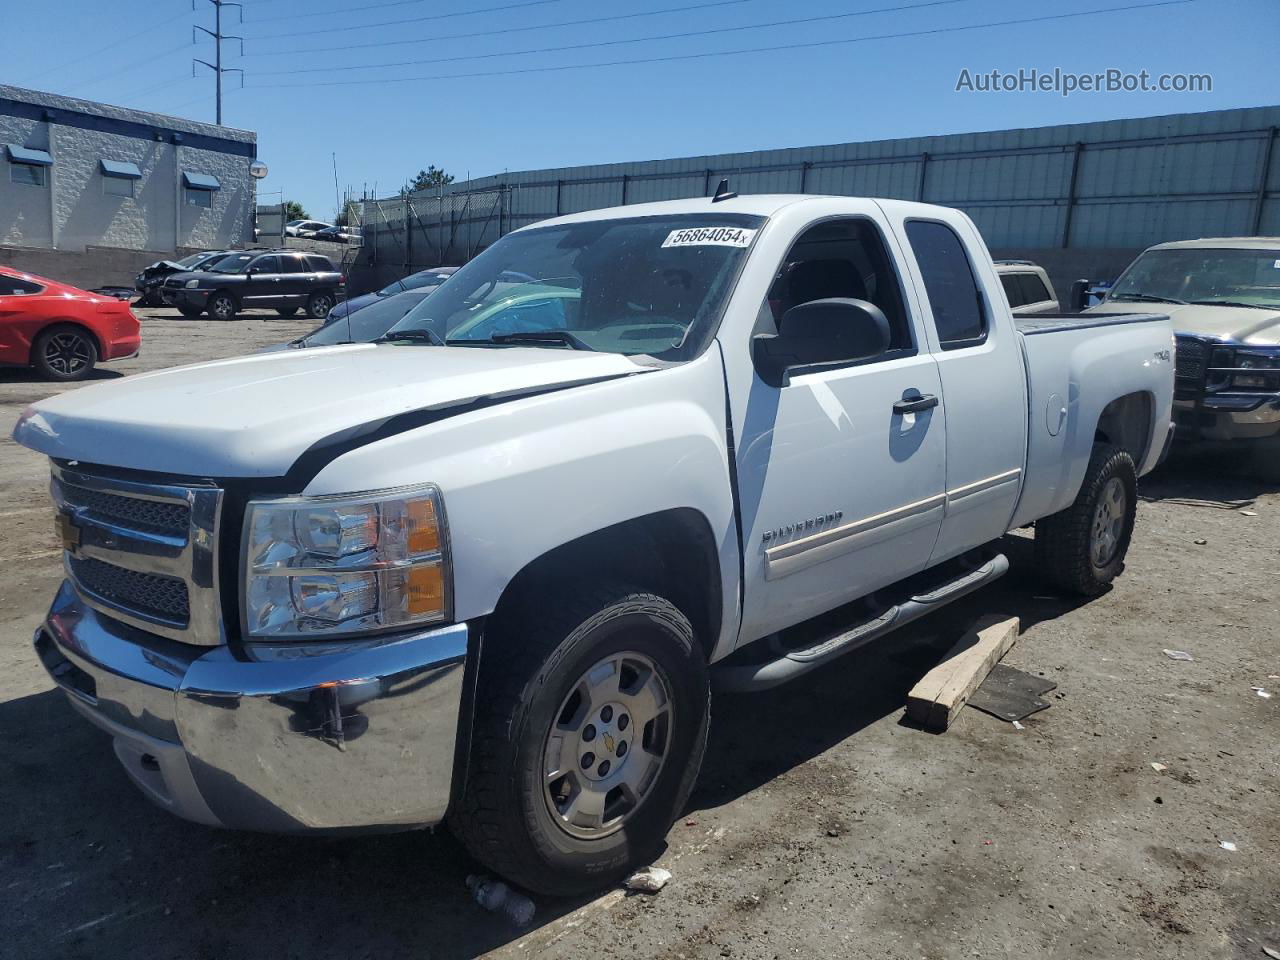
x,y
431,178
293,211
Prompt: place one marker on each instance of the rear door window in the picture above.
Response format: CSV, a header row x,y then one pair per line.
x,y
15,287
1033,288
320,264
1012,290
958,313
292,265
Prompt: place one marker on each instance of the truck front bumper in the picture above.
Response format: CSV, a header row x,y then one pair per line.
x,y
1228,417
281,738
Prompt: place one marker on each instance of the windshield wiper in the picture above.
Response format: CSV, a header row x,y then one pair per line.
x,y
1231,303
411,336
1147,297
563,337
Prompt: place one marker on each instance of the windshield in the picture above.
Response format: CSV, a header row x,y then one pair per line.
x,y
192,260
233,263
648,285
1204,275
369,322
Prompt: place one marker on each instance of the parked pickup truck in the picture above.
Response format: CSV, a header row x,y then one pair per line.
x,y
489,572
1223,296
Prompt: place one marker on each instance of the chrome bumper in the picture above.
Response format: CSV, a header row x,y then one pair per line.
x,y
300,737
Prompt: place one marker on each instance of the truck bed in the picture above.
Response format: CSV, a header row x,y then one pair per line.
x,y
1033,324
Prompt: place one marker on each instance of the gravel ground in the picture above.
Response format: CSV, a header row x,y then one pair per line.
x,y
823,825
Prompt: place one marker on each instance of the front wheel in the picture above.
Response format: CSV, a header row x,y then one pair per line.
x,y
1082,549
589,732
319,305
222,306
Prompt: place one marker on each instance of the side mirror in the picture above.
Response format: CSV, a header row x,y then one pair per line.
x,y
1079,296
818,334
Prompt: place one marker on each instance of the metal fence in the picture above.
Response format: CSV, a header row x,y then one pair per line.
x,y
1120,184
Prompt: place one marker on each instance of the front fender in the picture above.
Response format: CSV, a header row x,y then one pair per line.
x,y
524,477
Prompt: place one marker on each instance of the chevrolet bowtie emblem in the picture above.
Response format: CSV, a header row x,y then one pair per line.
x,y
68,532
608,743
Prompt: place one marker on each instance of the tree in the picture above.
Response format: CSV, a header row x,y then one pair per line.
x,y
431,178
293,210
349,215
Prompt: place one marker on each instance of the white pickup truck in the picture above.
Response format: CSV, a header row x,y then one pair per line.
x,y
490,569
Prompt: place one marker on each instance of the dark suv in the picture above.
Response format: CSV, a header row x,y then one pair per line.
x,y
284,279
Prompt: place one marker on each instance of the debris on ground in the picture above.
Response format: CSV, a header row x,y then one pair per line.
x,y
1011,694
495,896
648,880
1273,954
1227,845
1201,542
1248,513
939,696
1018,726
1179,655
1262,693
1159,767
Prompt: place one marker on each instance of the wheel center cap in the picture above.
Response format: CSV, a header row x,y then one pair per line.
x,y
604,743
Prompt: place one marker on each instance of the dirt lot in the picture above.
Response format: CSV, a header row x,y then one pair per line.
x,y
822,825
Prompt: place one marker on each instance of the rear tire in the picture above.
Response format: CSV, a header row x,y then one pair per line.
x,y
319,305
618,651
64,353
222,306
1082,549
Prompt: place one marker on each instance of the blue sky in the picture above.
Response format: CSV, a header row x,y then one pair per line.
x,y
488,118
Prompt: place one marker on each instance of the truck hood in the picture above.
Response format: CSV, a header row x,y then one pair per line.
x,y
254,416
1245,324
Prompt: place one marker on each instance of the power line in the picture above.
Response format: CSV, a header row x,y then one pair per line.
x,y
344,10
150,60
727,53
110,46
499,31
396,23
613,43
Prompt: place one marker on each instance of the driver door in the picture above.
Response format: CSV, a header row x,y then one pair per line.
x,y
841,487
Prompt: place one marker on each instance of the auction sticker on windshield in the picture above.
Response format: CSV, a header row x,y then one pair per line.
x,y
709,236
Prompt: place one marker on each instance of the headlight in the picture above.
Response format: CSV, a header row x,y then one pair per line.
x,y
192,284
342,565
1258,358
1263,366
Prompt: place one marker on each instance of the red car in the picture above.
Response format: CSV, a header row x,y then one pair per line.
x,y
62,331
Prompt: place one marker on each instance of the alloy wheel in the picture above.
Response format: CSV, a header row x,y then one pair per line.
x,y
1108,522
68,353
607,745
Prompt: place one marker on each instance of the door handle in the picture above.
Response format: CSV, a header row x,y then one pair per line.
x,y
916,404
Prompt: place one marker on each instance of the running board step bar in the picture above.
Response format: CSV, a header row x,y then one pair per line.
x,y
743,678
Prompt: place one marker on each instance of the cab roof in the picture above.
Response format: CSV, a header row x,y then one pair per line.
x,y
1222,243
758,204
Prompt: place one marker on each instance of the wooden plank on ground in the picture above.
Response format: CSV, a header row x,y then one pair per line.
x,y
941,694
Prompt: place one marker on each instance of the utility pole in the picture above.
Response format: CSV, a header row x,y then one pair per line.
x,y
218,36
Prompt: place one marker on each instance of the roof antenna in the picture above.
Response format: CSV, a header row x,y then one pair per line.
x,y
723,192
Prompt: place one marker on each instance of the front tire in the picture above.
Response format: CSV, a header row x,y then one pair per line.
x,y
64,353
1082,549
222,306
590,728
319,305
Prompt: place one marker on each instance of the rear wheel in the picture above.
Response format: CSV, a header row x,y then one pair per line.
x,y
286,311
319,305
1082,549
589,731
222,306
65,353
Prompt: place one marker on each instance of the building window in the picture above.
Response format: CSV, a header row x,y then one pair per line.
x,y
200,198
28,173
117,186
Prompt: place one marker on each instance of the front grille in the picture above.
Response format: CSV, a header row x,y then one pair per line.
x,y
143,552
147,593
1191,356
151,516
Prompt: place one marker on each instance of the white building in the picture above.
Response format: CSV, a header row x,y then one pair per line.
x,y
79,176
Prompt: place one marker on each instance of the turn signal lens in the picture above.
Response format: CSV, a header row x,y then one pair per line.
x,y
424,531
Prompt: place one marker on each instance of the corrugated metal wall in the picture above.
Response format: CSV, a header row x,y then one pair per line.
x,y
1115,184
